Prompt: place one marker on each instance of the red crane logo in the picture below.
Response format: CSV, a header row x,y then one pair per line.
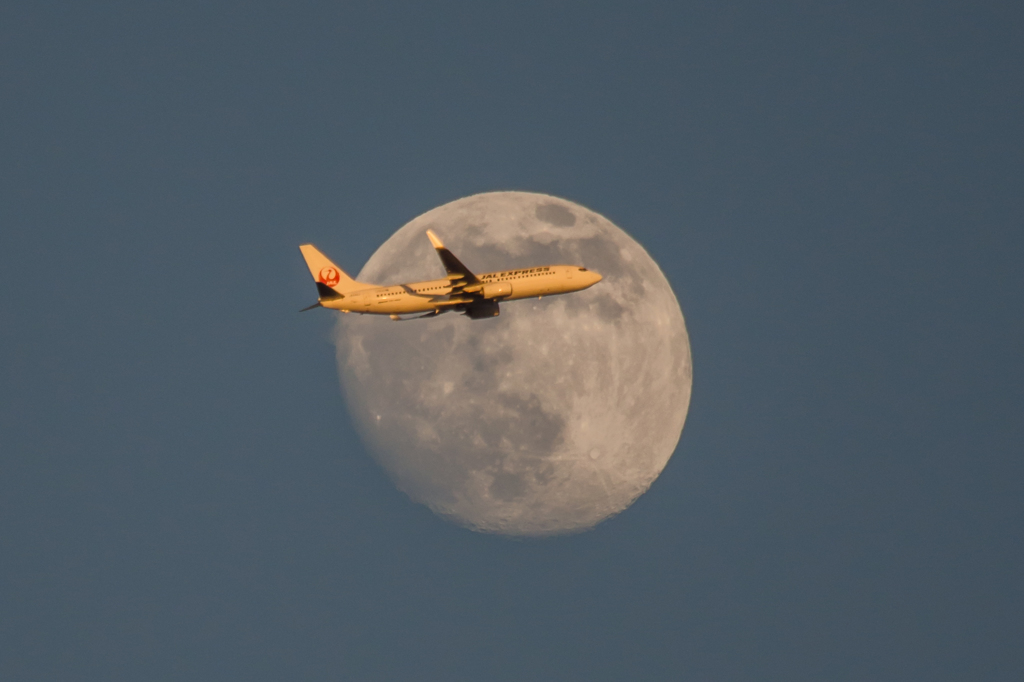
x,y
330,276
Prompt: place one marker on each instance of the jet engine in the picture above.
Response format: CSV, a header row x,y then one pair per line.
x,y
482,310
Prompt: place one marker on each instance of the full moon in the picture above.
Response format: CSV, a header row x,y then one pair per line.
x,y
547,419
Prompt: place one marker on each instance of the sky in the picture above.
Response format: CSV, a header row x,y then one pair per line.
x,y
835,191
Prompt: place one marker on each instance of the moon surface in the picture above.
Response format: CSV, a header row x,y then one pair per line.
x,y
548,419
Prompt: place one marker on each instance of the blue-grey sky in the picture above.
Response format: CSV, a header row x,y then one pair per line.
x,y
834,190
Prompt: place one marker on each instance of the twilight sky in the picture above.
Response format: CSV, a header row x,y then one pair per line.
x,y
834,190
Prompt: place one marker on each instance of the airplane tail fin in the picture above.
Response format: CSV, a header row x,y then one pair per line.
x,y
331,281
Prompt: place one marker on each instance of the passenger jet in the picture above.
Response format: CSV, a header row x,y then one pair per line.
x,y
475,296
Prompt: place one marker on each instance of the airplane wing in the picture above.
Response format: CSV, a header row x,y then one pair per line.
x,y
466,288
458,274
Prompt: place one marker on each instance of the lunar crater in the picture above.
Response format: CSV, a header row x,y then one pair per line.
x,y
556,214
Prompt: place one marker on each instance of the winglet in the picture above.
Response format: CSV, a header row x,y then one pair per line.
x,y
452,265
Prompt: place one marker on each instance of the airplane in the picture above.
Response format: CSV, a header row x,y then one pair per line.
x,y
475,296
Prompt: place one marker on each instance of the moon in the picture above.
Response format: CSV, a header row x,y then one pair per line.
x,y
545,420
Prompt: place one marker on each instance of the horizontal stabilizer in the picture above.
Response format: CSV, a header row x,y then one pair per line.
x,y
326,293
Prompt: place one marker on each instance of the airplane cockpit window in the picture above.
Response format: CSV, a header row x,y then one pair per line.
x,y
583,269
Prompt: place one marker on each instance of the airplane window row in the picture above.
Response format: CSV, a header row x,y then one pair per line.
x,y
514,274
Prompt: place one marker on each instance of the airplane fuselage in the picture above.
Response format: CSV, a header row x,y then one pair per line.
x,y
436,294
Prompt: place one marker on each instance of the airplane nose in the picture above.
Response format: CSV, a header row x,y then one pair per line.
x,y
597,277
